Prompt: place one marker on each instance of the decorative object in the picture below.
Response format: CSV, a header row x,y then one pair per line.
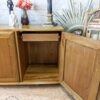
x,y
10,5
24,18
49,2
93,25
73,19
24,5
13,21
49,15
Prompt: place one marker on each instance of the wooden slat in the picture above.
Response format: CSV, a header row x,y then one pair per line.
x,y
40,37
38,82
22,55
61,58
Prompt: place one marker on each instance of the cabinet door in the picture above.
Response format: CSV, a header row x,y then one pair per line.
x,y
80,65
8,58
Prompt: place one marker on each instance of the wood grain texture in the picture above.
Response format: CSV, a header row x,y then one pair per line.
x,y
8,58
41,73
43,52
98,95
22,55
27,37
37,47
94,44
71,91
79,68
61,58
32,28
33,52
95,78
82,66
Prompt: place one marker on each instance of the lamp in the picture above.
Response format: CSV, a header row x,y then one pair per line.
x,y
49,15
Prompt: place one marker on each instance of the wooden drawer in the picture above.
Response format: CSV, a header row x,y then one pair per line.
x,y
40,37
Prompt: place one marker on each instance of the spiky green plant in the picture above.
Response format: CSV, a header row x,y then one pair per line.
x,y
73,19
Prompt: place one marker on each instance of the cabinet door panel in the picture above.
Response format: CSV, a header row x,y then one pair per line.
x,y
81,66
8,58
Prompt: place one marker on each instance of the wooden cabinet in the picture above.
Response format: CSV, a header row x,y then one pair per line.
x,y
8,57
38,52
45,55
98,94
81,66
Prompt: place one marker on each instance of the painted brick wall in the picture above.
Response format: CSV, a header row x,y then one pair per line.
x,y
38,13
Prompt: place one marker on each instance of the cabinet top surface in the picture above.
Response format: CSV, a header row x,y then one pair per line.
x,y
32,28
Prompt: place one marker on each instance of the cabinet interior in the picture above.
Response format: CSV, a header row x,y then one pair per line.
x,y
40,60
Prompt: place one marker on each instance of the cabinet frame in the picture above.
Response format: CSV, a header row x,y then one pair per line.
x,y
65,37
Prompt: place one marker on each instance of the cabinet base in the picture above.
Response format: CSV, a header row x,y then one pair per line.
x,y
38,74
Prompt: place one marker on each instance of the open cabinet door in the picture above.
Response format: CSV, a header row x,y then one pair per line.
x,y
80,66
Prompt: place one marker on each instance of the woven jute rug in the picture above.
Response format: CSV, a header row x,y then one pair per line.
x,y
33,93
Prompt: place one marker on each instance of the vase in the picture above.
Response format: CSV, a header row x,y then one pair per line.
x,y
24,18
13,21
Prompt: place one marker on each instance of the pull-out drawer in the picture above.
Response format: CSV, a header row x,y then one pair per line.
x,y
40,37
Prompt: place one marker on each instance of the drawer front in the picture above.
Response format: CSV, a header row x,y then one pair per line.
x,y
40,37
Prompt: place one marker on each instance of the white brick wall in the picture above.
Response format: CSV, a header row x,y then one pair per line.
x,y
39,12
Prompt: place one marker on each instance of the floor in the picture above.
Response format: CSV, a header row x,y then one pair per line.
x,y
49,92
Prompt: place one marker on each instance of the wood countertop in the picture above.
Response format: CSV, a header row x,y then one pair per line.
x,y
34,28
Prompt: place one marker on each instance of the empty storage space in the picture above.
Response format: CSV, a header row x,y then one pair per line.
x,y
40,53
42,61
